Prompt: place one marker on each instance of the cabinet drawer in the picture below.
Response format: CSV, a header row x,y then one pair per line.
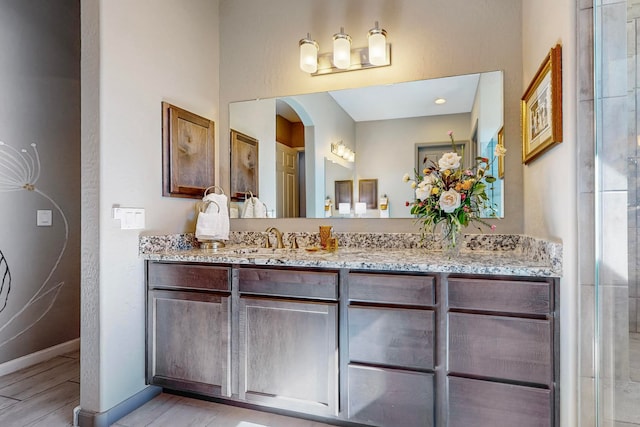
x,y
510,296
392,289
488,404
391,337
188,276
289,283
501,347
390,397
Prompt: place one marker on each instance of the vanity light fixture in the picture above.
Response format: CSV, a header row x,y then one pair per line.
x,y
343,57
342,50
377,46
344,152
308,54
440,101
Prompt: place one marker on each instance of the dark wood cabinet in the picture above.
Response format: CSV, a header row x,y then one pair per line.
x,y
391,334
376,348
288,339
289,354
484,403
502,360
188,341
390,397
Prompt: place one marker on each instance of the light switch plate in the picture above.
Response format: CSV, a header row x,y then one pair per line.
x,y
44,218
130,218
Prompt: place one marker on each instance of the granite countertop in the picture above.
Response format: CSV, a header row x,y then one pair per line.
x,y
525,257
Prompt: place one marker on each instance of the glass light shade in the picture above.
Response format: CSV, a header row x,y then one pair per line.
x,y
308,55
377,46
341,50
340,149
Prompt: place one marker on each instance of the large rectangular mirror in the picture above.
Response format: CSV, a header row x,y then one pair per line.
x,y
309,142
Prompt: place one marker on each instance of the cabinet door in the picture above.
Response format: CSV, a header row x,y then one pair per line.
x,y
188,341
390,397
289,354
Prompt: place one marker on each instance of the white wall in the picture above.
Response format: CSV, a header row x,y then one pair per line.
x,y
387,150
40,103
550,181
257,119
330,125
135,55
429,39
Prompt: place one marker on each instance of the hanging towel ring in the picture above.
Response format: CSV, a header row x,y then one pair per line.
x,y
214,187
203,206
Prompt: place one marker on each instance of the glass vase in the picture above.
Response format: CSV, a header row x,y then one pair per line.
x,y
451,239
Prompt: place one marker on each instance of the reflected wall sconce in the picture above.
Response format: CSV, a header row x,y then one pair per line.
x,y
344,58
344,152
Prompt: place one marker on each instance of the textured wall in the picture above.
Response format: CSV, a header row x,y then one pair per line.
x,y
429,39
40,103
137,54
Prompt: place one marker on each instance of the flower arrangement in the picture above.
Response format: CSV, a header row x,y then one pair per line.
x,y
449,194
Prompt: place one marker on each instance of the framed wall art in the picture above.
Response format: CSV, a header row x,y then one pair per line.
x,y
344,191
368,192
244,165
188,153
501,158
541,108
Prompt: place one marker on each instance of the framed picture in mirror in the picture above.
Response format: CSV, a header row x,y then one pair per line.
x,y
368,192
244,165
541,108
501,158
188,153
344,192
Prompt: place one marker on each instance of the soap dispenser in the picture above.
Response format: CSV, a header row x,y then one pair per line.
x,y
383,203
328,204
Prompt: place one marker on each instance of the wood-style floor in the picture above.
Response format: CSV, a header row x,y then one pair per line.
x,y
42,395
45,394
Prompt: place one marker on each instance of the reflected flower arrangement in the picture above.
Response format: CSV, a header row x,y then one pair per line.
x,y
450,194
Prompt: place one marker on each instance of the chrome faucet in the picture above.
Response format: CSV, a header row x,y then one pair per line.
x,y
280,243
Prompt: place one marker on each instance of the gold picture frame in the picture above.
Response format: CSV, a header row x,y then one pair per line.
x,y
244,166
188,153
541,108
501,158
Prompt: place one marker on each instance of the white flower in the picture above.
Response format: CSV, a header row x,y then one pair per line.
x,y
430,179
406,177
449,161
500,151
423,191
449,200
413,184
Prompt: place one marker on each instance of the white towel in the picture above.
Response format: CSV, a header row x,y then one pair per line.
x,y
254,208
213,223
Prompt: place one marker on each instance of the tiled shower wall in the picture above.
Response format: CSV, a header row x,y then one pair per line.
x,y
607,305
633,42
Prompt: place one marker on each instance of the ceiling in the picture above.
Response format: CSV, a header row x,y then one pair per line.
x,y
402,100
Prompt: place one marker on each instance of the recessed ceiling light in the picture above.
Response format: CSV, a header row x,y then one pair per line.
x,y
440,101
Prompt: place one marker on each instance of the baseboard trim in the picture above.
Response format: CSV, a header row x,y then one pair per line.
x,y
39,356
106,418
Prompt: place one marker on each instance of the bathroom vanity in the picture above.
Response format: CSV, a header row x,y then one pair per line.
x,y
378,337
